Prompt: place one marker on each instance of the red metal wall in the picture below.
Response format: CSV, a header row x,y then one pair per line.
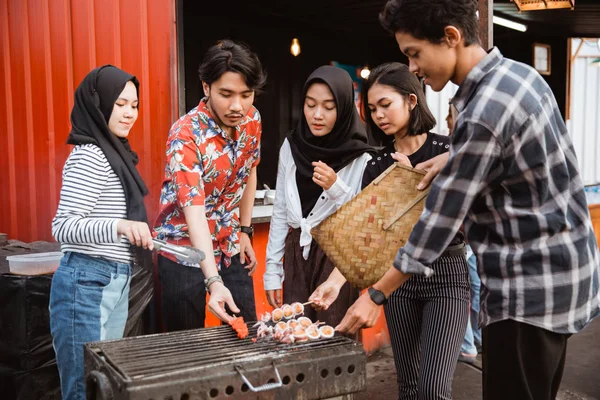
x,y
47,47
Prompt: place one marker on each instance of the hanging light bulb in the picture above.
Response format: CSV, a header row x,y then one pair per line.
x,y
295,47
365,72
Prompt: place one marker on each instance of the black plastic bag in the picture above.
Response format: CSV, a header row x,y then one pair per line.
x,y
140,320
27,360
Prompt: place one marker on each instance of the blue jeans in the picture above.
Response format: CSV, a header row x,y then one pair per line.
x,y
88,303
473,334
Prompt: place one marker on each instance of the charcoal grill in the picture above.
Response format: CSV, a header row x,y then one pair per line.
x,y
213,363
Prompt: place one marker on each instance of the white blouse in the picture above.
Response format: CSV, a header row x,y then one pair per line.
x,y
287,209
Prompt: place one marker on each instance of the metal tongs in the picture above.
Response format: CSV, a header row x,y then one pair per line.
x,y
184,254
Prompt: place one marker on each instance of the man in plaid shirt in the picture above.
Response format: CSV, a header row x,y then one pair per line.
x,y
512,177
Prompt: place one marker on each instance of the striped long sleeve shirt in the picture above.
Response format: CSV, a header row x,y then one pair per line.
x,y
92,201
512,176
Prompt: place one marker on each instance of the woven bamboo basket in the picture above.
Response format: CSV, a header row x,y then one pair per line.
x,y
363,236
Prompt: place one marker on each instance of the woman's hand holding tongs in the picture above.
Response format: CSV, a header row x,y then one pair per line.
x,y
138,233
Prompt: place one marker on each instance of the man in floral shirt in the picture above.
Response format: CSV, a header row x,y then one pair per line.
x,y
208,192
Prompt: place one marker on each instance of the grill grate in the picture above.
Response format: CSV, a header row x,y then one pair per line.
x,y
172,352
213,363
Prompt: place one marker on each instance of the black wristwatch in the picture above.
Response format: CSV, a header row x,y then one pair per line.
x,y
248,230
377,296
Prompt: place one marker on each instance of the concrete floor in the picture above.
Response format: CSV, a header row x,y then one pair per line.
x,y
581,379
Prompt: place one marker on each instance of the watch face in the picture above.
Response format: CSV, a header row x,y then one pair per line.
x,y
377,296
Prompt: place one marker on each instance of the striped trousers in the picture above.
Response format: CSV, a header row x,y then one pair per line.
x,y
427,319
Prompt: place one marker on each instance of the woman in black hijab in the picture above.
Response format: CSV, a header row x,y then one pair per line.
x,y
320,168
100,223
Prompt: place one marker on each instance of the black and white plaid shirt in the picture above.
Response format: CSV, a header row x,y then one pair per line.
x,y
512,177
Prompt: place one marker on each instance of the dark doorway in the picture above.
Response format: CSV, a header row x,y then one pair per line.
x,y
269,30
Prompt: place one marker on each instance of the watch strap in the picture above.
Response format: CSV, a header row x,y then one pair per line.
x,y
248,230
377,296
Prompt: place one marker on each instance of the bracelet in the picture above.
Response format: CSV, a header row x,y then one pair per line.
x,y
211,280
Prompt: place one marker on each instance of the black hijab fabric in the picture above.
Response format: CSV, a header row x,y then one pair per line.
x,y
94,101
346,141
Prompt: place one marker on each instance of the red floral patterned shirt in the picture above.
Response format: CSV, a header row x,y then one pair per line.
x,y
206,167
